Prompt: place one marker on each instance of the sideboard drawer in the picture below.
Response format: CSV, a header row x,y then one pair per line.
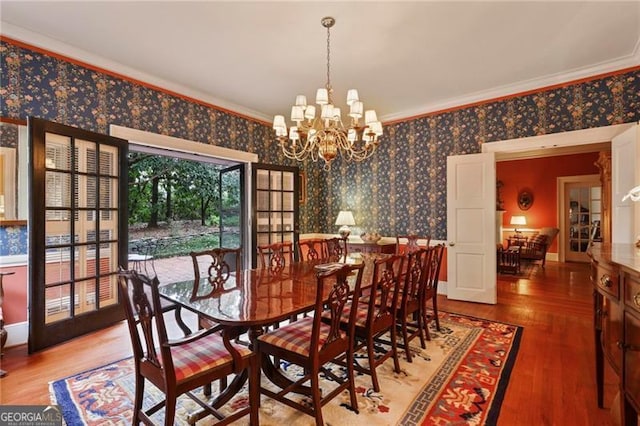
x,y
607,279
612,317
632,357
632,291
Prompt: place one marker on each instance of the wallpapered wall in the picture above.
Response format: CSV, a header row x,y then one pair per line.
x,y
402,188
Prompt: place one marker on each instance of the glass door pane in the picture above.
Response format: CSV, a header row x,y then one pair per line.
x,y
275,203
583,214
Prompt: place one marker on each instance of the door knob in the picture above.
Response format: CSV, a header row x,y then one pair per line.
x,y
451,243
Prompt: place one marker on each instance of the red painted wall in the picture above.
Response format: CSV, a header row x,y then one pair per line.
x,y
14,306
539,175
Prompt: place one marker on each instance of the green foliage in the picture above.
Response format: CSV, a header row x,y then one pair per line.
x,y
192,186
182,246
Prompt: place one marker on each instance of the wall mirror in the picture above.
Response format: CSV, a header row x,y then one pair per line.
x,y
14,198
525,199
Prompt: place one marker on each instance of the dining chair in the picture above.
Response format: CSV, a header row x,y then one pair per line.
x,y
376,316
409,312
212,268
413,243
335,249
276,256
312,342
310,249
176,367
430,294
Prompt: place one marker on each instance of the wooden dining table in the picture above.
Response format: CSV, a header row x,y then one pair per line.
x,y
255,299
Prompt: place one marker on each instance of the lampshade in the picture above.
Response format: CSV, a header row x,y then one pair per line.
x,y
518,220
345,217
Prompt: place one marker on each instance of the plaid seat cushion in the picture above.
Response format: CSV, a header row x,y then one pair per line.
x,y
361,316
296,337
201,355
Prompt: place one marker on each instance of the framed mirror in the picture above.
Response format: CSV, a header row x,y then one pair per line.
x,y
13,172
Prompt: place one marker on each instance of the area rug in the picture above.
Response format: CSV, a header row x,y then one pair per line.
x,y
460,378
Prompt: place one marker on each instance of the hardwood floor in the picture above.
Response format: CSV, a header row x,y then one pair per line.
x,y
552,383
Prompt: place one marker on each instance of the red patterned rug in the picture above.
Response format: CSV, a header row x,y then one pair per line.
x,y
460,378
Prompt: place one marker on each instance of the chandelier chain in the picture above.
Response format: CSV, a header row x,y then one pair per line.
x,y
329,61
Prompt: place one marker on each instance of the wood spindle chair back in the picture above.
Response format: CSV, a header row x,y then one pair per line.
x,y
335,249
310,249
212,269
276,257
414,243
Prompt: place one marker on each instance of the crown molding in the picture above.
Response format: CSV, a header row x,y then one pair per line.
x,y
516,89
88,59
91,60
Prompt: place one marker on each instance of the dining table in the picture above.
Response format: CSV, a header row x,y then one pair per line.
x,y
255,299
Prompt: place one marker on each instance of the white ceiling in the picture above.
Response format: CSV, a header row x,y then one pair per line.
x,y
405,58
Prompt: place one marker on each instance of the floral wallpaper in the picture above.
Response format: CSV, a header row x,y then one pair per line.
x,y
401,189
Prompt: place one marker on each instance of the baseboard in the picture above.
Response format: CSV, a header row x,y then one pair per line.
x,y
17,333
553,257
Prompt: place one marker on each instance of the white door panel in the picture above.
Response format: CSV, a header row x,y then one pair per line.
x,y
624,149
471,256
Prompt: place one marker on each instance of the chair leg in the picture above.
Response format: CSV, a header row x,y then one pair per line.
x,y
139,396
435,312
352,380
372,364
316,399
254,390
394,348
170,410
421,327
405,337
425,323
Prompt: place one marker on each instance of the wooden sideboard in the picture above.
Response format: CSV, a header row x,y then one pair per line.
x,y
615,274
362,247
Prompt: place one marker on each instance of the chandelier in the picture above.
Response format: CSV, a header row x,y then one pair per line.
x,y
324,135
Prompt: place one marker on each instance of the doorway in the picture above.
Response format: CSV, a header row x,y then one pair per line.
x,y
185,149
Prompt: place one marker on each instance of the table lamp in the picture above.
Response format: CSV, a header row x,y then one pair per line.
x,y
518,220
345,219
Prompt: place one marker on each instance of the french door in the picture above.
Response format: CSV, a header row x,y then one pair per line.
x,y
582,215
275,204
77,231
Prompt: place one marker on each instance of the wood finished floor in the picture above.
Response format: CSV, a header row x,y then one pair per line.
x,y
552,383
